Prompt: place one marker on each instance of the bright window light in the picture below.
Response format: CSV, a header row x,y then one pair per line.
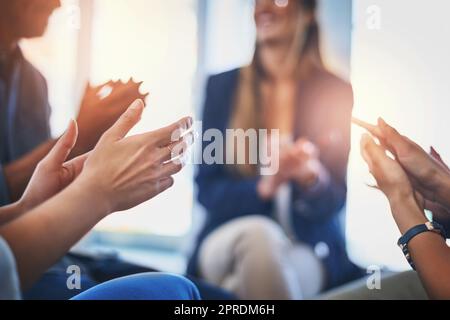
x,y
400,70
156,42
55,55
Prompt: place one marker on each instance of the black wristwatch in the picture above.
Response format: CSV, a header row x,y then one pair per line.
x,y
415,231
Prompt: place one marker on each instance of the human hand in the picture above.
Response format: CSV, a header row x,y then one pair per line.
x,y
124,172
53,174
100,109
299,163
429,175
439,211
393,181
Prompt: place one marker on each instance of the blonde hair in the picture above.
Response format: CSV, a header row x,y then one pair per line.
x,y
246,113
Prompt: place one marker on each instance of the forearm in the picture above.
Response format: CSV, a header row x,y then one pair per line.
x,y
428,250
11,212
42,236
18,173
431,256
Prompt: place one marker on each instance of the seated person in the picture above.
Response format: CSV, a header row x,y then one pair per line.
x,y
25,137
278,236
415,181
65,200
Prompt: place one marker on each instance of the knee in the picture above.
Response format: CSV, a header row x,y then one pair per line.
x,y
262,232
174,287
148,286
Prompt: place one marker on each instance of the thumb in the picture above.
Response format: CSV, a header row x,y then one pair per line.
x,y
59,153
126,122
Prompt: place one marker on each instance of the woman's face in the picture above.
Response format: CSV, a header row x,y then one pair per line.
x,y
277,20
30,17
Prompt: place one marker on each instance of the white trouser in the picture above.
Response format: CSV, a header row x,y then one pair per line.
x,y
253,258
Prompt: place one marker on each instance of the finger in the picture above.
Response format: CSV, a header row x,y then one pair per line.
x,y
59,153
124,90
172,133
438,157
76,165
165,184
171,168
176,149
98,88
73,168
126,122
306,147
369,151
373,130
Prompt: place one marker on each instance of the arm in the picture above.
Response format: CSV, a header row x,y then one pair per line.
x,y
18,173
429,251
10,212
42,236
119,174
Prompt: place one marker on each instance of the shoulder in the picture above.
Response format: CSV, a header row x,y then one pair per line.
x,y
32,78
224,79
220,92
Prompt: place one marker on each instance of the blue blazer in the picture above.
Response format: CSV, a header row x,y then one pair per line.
x,y
323,115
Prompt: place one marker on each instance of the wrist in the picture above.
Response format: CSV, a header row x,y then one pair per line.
x,y
314,177
23,206
407,213
267,187
87,190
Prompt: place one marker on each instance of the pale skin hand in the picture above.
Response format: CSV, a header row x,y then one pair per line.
x,y
119,173
96,115
136,166
299,163
51,176
429,251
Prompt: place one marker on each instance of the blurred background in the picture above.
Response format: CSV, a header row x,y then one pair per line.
x,y
394,52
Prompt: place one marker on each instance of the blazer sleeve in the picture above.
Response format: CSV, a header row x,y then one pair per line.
x,y
329,198
224,195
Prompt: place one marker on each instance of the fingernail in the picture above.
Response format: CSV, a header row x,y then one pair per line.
x,y
433,151
136,105
382,123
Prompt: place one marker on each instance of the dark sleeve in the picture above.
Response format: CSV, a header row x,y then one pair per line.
x,y
4,192
41,110
224,195
333,139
